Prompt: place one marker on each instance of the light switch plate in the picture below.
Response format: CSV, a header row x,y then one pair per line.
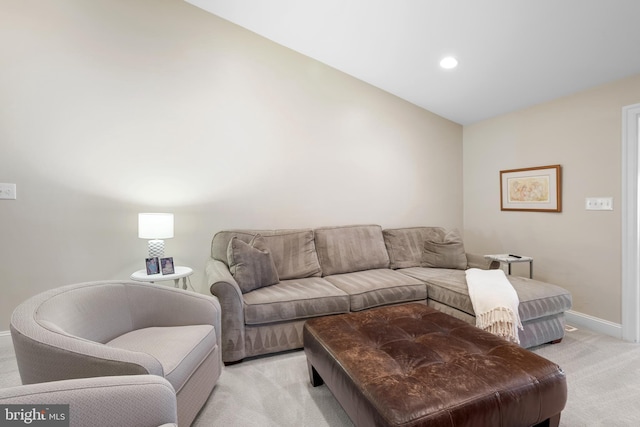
x,y
7,191
599,203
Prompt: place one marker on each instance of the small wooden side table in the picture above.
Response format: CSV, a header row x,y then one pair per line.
x,y
511,259
180,272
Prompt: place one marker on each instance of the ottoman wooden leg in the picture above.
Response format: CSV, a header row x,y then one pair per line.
x,y
314,377
550,422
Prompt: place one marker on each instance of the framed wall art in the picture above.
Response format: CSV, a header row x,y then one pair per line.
x,y
536,189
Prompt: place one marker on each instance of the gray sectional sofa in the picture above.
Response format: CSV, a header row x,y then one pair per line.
x,y
269,282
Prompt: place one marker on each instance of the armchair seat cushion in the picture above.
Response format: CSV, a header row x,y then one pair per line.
x,y
179,349
294,299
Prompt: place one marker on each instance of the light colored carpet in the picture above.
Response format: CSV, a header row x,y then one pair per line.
x,y
271,391
603,376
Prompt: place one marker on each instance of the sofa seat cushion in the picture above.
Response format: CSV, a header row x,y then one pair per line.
x,y
179,349
372,288
294,299
449,287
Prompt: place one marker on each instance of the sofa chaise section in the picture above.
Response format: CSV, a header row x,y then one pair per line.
x,y
542,305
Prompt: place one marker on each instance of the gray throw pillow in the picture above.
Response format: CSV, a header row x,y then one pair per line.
x,y
447,252
251,264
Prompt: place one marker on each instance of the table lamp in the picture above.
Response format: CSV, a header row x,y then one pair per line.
x,y
155,226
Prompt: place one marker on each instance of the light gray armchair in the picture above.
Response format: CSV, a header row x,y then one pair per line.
x,y
120,401
122,328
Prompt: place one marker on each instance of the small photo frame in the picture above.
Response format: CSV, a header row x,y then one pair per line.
x,y
167,265
153,266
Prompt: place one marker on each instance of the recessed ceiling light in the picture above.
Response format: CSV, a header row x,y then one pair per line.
x,y
449,62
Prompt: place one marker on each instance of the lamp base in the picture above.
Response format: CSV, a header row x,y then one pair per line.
x,y
156,248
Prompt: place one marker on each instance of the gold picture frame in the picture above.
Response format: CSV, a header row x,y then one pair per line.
x,y
536,189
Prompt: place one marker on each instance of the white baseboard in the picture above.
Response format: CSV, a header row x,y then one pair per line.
x,y
5,333
595,324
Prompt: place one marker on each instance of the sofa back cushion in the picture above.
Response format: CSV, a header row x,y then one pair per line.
x,y
350,248
406,245
293,251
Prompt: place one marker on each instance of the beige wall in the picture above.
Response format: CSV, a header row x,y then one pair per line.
x,y
577,249
113,107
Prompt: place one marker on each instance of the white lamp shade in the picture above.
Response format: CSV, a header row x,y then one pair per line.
x,y
155,225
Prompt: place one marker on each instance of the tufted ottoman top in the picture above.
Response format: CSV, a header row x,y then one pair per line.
x,y
411,365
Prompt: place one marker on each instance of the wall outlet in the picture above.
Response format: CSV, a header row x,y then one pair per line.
x,y
7,191
599,203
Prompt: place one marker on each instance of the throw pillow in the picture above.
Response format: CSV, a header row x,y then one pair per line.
x,y
447,252
251,264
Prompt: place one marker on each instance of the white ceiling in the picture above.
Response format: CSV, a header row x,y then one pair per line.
x,y
512,53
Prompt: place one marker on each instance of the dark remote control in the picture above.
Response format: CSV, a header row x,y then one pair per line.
x,y
515,256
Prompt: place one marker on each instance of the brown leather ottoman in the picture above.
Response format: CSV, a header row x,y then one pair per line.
x,y
411,365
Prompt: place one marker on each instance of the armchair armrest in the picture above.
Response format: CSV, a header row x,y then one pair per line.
x,y
479,261
136,400
223,285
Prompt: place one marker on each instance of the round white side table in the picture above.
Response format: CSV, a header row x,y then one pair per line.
x,y
180,273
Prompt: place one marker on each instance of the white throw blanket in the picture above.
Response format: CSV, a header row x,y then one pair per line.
x,y
495,303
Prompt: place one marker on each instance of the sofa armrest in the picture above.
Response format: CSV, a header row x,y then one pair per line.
x,y
223,285
479,261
